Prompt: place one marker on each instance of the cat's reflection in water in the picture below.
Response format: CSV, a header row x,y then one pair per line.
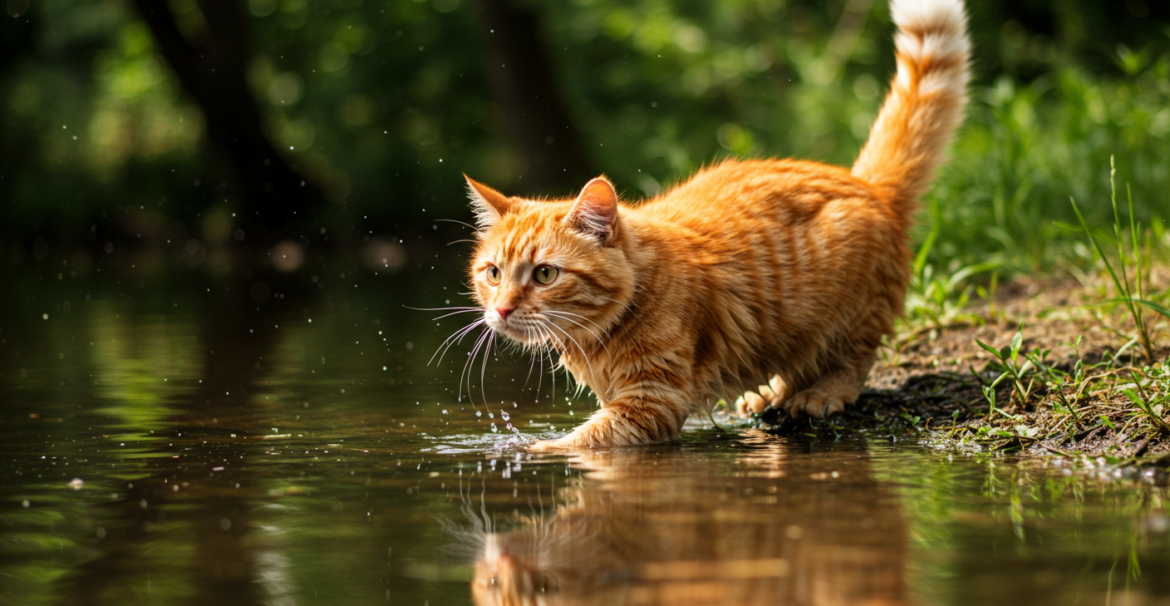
x,y
763,523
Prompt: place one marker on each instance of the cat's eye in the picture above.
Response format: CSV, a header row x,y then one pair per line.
x,y
492,274
545,274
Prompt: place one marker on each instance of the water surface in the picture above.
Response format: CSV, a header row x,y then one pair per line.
x,y
170,446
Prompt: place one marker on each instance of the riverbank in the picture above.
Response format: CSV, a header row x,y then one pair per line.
x,y
1077,382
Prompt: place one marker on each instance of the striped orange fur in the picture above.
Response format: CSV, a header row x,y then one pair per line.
x,y
751,270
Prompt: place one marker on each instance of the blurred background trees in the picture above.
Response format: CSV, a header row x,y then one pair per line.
x,y
190,125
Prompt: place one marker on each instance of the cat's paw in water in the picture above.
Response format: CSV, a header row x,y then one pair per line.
x,y
547,446
572,441
617,425
577,440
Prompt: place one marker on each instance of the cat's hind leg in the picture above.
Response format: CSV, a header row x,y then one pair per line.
x,y
768,396
832,391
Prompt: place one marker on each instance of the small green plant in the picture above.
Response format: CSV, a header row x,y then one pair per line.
x,y
939,299
988,294
1056,380
1011,367
1142,401
1132,293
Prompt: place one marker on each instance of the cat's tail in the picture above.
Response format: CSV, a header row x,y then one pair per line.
x,y
925,103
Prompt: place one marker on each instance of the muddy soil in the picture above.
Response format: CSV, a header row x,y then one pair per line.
x,y
929,386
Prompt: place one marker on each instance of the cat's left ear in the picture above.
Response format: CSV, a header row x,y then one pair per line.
x,y
488,203
595,211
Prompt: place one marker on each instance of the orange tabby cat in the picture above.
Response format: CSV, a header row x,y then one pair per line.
x,y
751,269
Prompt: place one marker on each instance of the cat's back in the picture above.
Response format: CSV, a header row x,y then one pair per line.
x,y
741,194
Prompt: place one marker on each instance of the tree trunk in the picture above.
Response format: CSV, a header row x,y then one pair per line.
x,y
536,120
273,196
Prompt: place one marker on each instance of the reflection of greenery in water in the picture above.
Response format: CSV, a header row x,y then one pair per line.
x,y
139,364
1060,533
100,385
271,476
136,403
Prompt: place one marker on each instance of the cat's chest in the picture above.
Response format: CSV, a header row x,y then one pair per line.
x,y
592,370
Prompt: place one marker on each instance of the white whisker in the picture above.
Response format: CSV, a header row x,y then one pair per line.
x,y
584,354
470,358
538,353
562,312
483,368
455,337
442,308
552,370
531,359
487,352
557,314
461,311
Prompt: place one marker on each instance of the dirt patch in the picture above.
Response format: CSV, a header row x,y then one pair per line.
x,y
1087,393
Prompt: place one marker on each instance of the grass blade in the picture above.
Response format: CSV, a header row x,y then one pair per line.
x,y
1154,306
924,250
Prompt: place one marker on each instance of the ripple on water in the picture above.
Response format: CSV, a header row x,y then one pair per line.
x,y
488,443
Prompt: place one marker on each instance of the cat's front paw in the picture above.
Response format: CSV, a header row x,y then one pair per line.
x,y
606,429
547,446
620,424
577,440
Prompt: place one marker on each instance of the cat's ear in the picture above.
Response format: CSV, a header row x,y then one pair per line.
x,y
595,211
489,204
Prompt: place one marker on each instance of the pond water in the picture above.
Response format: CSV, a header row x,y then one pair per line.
x,y
165,445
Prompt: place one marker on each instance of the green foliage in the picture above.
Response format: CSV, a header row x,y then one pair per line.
x,y
1013,164
1132,292
385,105
1012,367
1088,398
1027,370
1144,405
937,297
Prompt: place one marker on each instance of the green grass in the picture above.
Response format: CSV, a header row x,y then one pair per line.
x,y
1054,403
1003,197
1131,293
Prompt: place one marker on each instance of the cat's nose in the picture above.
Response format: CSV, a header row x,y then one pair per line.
x,y
505,312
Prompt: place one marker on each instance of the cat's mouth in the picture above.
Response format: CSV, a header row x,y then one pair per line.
x,y
526,333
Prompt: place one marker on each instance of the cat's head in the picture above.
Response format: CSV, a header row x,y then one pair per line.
x,y
508,573
551,270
